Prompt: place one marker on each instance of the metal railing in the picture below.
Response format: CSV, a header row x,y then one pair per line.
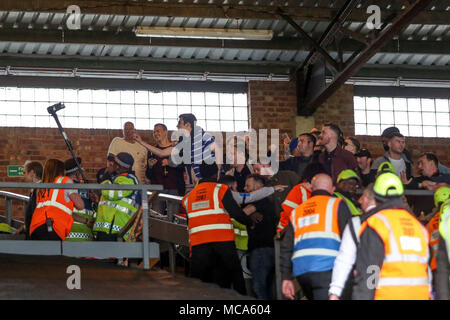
x,y
99,249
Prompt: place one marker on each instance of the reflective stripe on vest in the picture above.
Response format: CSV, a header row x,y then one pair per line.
x,y
240,233
291,204
116,206
53,202
316,235
205,214
398,262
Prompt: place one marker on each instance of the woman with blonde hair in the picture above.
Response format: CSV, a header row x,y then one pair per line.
x,y
52,218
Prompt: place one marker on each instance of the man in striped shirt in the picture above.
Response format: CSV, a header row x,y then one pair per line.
x,y
201,147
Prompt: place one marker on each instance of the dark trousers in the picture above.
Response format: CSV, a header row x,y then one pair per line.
x,y
315,285
41,233
215,262
103,236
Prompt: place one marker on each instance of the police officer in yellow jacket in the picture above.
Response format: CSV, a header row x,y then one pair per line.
x,y
392,261
210,207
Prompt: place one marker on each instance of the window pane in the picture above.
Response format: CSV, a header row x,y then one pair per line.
x,y
183,98
212,99
156,111
373,117
85,96
155,97
226,126
201,123
12,94
171,124
199,112
155,121
84,109
226,99
27,108
414,118
429,131
240,113
127,97
428,105
113,96
401,118
403,129
443,119
429,118
2,94
127,110
359,103
142,124
28,121
372,103
72,121
443,132
98,110
142,111
71,95
27,94
85,122
13,121
184,109
43,121
386,104
400,104
99,96
100,123
113,110
170,98
360,129
226,113
240,99
212,113
415,131
442,105
170,111
373,130
413,104
141,97
114,123
212,125
387,117
240,126
198,98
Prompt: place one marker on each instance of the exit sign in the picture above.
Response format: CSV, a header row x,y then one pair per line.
x,y
15,171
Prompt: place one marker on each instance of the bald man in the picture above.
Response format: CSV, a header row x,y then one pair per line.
x,y
312,239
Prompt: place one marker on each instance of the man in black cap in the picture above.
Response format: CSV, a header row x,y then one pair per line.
x,y
107,172
386,135
364,160
83,219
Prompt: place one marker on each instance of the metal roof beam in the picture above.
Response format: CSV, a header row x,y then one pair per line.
x,y
127,38
227,11
379,42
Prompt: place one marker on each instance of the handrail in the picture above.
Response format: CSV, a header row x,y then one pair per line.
x,y
169,197
14,196
81,249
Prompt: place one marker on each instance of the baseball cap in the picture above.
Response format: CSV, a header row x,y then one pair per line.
x,y
388,132
363,153
125,160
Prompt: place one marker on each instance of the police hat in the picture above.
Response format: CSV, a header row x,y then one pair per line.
x,y
125,160
71,166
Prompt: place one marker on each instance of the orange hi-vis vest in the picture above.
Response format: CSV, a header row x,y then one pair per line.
x,y
404,272
316,234
208,221
299,194
53,205
433,232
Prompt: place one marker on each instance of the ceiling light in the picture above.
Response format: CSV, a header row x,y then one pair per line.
x,y
203,33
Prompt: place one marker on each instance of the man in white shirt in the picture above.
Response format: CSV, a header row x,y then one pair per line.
x,y
129,145
396,156
340,287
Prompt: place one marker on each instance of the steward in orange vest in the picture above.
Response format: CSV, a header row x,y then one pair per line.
x,y
210,207
52,218
392,262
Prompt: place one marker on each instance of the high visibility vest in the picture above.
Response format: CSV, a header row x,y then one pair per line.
x,y
52,205
116,207
81,231
208,221
404,272
433,233
444,226
316,234
353,209
299,194
240,235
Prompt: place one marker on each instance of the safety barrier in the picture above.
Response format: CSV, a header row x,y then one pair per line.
x,y
98,249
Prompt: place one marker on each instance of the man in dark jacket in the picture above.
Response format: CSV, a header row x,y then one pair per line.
x,y
334,159
32,173
260,242
303,155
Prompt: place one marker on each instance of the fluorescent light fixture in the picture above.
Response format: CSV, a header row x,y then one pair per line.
x,y
203,33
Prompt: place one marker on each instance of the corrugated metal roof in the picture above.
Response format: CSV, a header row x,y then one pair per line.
x,y
107,22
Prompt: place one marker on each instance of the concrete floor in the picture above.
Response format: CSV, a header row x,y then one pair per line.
x,y
45,277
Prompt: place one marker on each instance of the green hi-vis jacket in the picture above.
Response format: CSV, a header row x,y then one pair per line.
x,y
353,209
117,206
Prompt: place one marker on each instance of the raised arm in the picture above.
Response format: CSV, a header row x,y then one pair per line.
x,y
162,153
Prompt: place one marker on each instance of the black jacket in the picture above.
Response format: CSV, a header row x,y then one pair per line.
x,y
260,235
287,242
442,282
